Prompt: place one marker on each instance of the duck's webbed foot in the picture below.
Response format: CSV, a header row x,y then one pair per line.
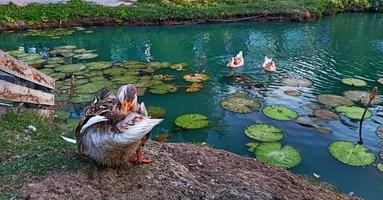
x,y
138,159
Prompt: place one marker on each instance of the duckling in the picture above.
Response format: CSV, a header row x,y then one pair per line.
x,y
113,128
269,65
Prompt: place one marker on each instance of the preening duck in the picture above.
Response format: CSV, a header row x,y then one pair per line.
x,y
269,65
113,128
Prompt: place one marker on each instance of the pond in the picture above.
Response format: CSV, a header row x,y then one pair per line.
x,y
324,51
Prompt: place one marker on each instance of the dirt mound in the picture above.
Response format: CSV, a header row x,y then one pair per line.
x,y
180,171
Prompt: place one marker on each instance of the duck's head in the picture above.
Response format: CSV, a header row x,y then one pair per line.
x,y
127,97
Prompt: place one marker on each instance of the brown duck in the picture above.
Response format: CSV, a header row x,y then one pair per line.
x,y
113,128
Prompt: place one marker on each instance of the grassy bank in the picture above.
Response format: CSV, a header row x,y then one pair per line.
x,y
177,10
25,152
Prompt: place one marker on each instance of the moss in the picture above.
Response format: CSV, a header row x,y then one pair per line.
x,y
161,10
25,153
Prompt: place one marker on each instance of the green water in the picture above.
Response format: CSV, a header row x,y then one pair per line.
x,y
324,51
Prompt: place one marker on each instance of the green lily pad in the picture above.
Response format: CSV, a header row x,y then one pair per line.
x,y
82,98
334,100
125,79
192,121
354,82
163,89
31,56
279,113
156,112
115,71
240,103
86,56
264,132
252,146
54,65
47,71
355,95
61,97
70,68
273,153
296,82
90,88
380,167
196,77
326,115
353,112
98,65
351,154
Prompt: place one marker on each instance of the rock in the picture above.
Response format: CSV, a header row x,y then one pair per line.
x,y
224,175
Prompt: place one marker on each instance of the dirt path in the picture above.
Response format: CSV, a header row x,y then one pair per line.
x,y
180,171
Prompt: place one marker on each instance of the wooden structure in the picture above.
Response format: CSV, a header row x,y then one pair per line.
x,y
33,88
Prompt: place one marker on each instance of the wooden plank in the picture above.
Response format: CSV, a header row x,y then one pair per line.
x,y
17,93
17,68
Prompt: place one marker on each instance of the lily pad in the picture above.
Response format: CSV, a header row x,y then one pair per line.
x,y
240,103
354,82
380,167
179,67
326,115
114,71
196,77
294,93
273,153
192,121
351,154
98,65
353,112
355,95
306,121
163,89
313,106
70,68
279,113
86,56
377,100
297,82
89,88
125,79
82,98
264,132
156,112
334,100
47,71
194,87
252,146
379,132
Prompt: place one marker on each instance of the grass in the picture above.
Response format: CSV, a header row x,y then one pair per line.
x,y
25,153
179,10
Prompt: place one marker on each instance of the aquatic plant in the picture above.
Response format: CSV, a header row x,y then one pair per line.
x,y
296,82
179,67
264,132
51,33
351,154
90,88
355,95
379,132
274,154
240,103
252,146
192,121
82,98
334,100
372,96
279,113
354,82
352,112
380,167
163,89
98,65
325,114
70,68
156,112
196,77
194,87
294,93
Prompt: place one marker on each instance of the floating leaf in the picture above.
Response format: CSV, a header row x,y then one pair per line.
x,y
351,154
379,132
294,93
252,146
355,95
280,113
163,89
125,79
264,132
326,115
162,77
296,82
70,68
179,67
192,121
377,100
380,167
354,82
273,153
334,100
313,106
86,56
196,77
89,88
240,103
98,65
156,112
352,112
115,71
306,121
194,87
82,98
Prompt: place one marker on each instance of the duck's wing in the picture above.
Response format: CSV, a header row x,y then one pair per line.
x,y
143,110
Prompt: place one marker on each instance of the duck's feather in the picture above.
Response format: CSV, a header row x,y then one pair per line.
x,y
143,110
92,121
70,140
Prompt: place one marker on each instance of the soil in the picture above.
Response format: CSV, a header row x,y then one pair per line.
x,y
179,171
109,21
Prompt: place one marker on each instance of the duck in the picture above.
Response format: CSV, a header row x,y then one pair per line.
x,y
236,61
113,128
269,65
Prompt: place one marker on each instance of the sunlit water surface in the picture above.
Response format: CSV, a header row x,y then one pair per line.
x,y
323,51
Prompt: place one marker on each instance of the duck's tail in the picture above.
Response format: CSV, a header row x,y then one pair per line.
x,y
70,140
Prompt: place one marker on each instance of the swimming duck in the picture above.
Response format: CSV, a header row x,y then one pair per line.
x,y
269,65
113,128
236,61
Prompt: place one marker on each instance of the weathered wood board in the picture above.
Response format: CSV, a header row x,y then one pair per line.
x,y
17,68
17,93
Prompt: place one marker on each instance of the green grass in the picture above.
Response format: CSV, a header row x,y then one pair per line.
x,y
25,153
160,10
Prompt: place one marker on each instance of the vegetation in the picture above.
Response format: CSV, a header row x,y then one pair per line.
x,y
162,10
30,146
